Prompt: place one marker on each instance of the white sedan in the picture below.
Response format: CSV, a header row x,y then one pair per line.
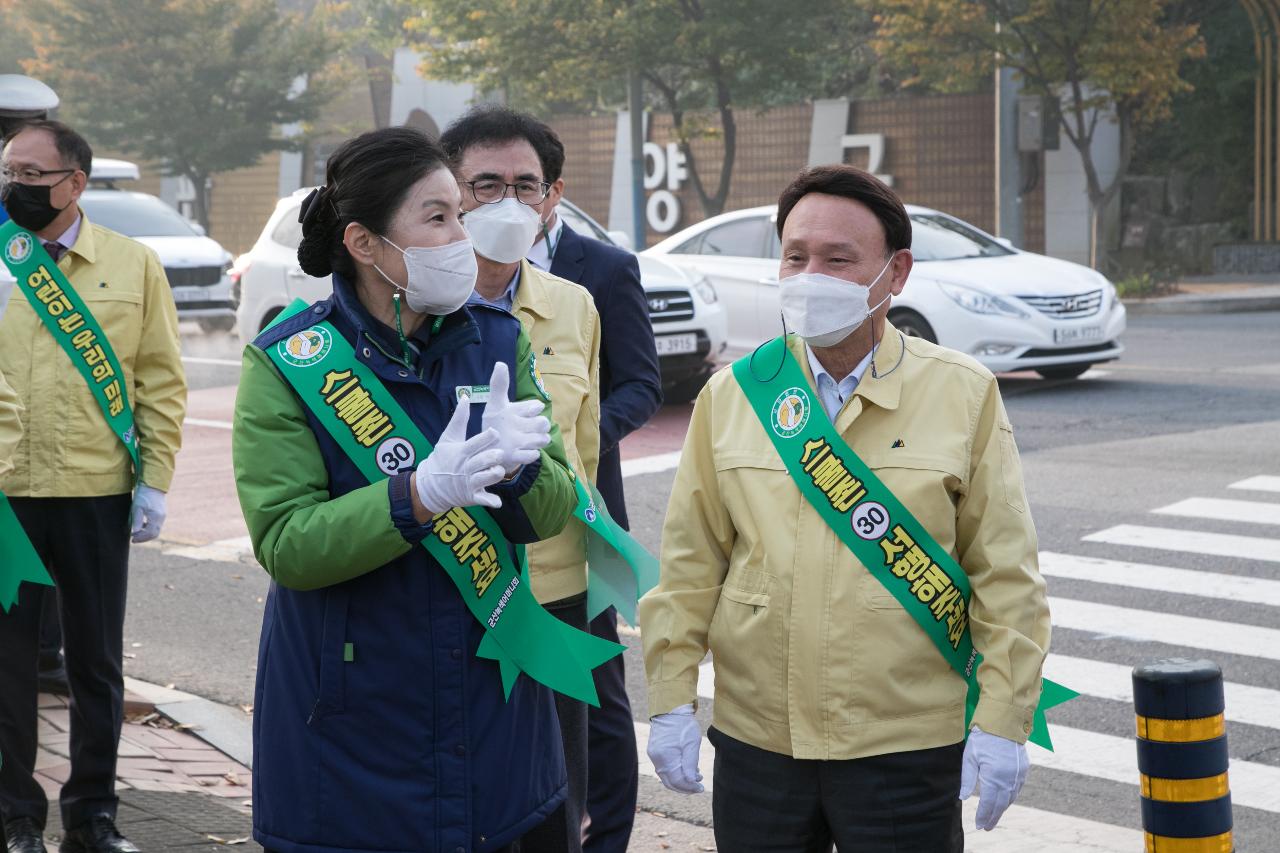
x,y
1009,309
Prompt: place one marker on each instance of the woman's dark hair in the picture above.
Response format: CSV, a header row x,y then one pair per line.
x,y
852,183
366,180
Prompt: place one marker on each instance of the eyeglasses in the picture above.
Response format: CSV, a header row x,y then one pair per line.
x,y
30,176
489,191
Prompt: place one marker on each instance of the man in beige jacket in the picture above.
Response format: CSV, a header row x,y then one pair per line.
x,y
502,180
836,719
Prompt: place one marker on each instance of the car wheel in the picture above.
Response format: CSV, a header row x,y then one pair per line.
x,y
1070,371
686,390
910,323
209,325
268,317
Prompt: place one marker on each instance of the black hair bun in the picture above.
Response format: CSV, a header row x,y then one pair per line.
x,y
315,252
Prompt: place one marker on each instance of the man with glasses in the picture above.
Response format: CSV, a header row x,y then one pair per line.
x,y
503,180
75,487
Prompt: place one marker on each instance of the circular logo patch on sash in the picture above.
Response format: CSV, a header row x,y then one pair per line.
x,y
306,347
18,249
394,455
537,378
790,412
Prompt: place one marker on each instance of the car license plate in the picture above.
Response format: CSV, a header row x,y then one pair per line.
x,y
676,344
1077,334
188,294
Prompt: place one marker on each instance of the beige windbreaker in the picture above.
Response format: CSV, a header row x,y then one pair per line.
x,y
813,657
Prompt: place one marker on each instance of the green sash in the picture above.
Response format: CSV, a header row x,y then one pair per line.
x,y
880,531
74,327
620,570
362,416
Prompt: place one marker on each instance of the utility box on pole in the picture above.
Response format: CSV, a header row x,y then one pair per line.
x,y
1038,118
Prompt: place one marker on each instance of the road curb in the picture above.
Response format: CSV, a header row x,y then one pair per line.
x,y
1202,305
227,729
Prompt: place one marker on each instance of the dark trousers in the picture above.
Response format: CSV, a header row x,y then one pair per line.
x,y
562,831
901,802
84,543
50,632
612,771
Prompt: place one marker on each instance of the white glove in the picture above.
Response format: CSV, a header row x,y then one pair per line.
x,y
459,469
674,741
522,429
148,513
998,767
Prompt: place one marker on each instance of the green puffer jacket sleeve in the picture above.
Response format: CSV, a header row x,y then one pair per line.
x,y
305,538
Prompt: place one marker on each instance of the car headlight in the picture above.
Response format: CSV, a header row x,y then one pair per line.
x,y
981,302
706,290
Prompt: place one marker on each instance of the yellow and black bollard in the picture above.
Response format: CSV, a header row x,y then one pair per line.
x,y
1182,756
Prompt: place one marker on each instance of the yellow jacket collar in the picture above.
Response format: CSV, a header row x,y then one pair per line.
x,y
532,293
85,246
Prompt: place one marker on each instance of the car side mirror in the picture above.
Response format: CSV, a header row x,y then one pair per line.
x,y
199,229
622,239
1006,242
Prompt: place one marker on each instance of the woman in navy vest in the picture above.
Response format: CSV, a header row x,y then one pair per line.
x,y
376,728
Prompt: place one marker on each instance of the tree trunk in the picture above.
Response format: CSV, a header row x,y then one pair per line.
x,y
201,185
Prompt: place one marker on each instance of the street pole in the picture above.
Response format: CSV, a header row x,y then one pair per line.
x,y
1008,159
635,99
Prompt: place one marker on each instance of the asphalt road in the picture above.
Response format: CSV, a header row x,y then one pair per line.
x,y
1192,408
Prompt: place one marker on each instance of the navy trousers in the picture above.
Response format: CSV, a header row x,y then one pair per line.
x,y
612,770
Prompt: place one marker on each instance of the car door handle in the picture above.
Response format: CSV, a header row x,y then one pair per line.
x,y
768,280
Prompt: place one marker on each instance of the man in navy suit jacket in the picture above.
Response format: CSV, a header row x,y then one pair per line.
x,y
630,393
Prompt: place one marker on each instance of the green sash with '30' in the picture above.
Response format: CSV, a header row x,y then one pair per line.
x,y
872,523
361,415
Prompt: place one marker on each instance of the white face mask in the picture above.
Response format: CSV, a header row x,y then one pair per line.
x,y
440,277
825,310
503,232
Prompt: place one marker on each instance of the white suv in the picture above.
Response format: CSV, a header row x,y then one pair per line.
x,y
688,321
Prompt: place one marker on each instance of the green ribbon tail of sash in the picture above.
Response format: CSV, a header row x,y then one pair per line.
x,y
621,569
18,559
550,661
1051,694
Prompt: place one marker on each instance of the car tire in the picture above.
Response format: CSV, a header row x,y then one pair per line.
x,y
267,318
1068,371
685,390
911,323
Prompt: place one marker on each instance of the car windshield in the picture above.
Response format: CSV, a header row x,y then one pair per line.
x,y
135,215
935,237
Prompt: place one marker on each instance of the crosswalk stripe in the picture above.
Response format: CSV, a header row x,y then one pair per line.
x,y
1261,483
655,464
1256,706
1190,541
1221,509
1149,626
1166,579
236,550
1086,753
1021,830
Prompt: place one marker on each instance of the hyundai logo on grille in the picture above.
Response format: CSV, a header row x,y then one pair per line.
x,y
1070,304
659,305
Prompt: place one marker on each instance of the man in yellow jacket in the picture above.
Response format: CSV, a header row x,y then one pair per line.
x,y
502,179
836,718
73,485
10,405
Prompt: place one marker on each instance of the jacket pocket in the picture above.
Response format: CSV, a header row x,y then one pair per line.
x,y
333,641
747,644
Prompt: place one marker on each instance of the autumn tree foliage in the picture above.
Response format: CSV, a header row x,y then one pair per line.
x,y
1107,60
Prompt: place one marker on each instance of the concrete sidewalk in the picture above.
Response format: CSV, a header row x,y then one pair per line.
x,y
1213,295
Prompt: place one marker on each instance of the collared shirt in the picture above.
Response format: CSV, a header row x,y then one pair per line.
x,y
541,254
504,300
68,238
831,393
